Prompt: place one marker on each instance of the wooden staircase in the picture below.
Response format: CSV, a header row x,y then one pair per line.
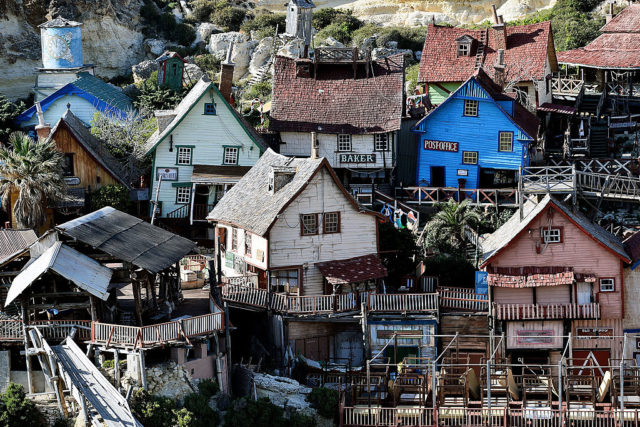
x,y
263,71
480,51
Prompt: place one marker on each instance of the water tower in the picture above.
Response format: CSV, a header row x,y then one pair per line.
x,y
299,14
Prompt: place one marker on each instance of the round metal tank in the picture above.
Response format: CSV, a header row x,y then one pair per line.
x,y
61,44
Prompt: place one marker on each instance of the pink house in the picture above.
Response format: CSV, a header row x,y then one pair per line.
x,y
551,272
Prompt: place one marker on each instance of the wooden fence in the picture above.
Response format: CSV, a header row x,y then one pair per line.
x,y
11,330
542,312
463,299
478,196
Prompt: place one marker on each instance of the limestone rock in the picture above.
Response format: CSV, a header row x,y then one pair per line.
x,y
154,47
219,43
261,55
291,49
242,50
204,31
143,70
192,73
331,42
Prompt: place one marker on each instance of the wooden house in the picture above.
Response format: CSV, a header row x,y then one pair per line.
x,y
344,105
631,280
477,138
551,272
201,149
299,17
170,70
292,238
521,57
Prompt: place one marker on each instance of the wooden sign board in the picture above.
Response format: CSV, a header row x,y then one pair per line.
x,y
441,146
594,333
357,158
544,336
167,174
402,334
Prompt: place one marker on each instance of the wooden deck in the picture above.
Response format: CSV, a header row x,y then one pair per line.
x,y
545,312
506,197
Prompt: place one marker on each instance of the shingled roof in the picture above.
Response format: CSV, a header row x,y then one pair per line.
x,y
503,236
14,243
90,143
528,47
627,21
335,102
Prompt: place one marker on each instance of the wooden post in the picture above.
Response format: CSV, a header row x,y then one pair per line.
x,y
227,338
135,285
143,374
92,305
151,280
26,347
116,367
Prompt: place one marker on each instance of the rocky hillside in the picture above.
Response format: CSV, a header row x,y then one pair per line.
x,y
111,34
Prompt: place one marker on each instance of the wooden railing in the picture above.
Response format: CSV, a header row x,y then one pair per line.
x,y
566,86
340,54
477,196
622,187
11,330
547,179
200,212
403,303
246,295
541,312
249,279
463,299
181,212
624,167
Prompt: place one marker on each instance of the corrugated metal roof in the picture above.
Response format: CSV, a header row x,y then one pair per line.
x,y
15,242
84,272
128,238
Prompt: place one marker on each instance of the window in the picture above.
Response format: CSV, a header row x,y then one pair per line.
x,y
553,235
234,240
183,195
344,142
470,157
506,141
210,109
331,222
247,243
284,281
463,49
68,164
230,156
470,108
184,155
308,224
380,142
607,285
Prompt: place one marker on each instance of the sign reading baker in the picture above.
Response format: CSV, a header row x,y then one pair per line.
x,y
357,158
441,146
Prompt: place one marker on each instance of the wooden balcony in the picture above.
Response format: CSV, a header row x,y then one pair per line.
x,y
545,312
11,330
403,303
463,299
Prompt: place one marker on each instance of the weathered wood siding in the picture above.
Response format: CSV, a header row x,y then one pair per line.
x,y
512,295
631,298
479,134
208,134
81,108
553,295
287,247
298,144
473,324
613,344
441,91
577,250
85,167
541,334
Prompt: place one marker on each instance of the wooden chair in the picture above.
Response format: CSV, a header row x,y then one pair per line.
x,y
410,389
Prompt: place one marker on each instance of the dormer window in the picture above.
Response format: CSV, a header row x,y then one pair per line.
x,y
279,177
463,49
463,46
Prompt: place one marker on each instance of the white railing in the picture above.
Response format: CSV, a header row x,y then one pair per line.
x,y
547,179
623,187
309,304
566,86
463,299
403,303
242,280
245,295
60,329
541,312
476,196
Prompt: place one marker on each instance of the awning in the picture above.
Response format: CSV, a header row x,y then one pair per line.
x,y
208,174
352,270
548,107
530,277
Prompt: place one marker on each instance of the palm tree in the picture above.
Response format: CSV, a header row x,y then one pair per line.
x,y
446,230
33,169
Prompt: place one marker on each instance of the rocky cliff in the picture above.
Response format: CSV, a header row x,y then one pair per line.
x,y
112,37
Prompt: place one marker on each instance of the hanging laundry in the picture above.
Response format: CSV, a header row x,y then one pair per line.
x,y
412,221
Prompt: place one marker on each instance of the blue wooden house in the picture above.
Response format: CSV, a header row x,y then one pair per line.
x,y
477,138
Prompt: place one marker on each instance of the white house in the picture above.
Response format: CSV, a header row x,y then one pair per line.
x,y
201,149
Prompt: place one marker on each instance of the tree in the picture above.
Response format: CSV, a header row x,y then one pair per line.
x,y
446,231
34,170
17,410
116,196
8,112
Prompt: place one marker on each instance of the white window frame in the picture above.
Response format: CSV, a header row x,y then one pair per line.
x,y
501,141
281,278
607,282
380,142
464,49
183,195
469,157
471,107
184,156
344,142
553,235
230,153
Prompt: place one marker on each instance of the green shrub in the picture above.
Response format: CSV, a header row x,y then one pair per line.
x,y
184,34
208,63
327,16
300,420
16,410
8,112
202,9
208,388
339,31
229,18
255,413
116,196
110,363
407,37
260,91
265,23
184,418
325,401
153,410
411,77
198,405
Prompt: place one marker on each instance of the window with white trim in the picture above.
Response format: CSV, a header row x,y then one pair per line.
x,y
284,281
380,142
344,142
471,107
309,224
470,157
234,240
607,285
230,156
506,141
463,49
183,195
551,235
184,156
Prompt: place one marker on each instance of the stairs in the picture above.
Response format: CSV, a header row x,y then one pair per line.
x,y
589,104
260,76
480,51
599,140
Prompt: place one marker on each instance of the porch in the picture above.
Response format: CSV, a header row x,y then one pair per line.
x,y
545,312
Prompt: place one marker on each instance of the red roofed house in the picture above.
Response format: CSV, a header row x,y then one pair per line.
x,y
352,108
451,55
552,272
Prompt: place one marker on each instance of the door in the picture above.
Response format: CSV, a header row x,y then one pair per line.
x,y
437,176
201,202
583,293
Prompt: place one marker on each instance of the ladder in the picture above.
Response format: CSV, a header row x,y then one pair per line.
x,y
480,52
261,75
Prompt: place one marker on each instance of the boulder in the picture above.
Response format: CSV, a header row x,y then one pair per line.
x,y
219,43
242,50
261,55
383,52
204,31
154,47
331,42
143,70
192,73
292,49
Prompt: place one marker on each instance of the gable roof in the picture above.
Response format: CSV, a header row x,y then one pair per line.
x,y
90,143
14,243
250,205
335,102
200,89
527,51
500,239
83,271
169,54
104,97
522,118
627,21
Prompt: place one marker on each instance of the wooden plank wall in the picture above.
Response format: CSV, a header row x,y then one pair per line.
x,y
465,325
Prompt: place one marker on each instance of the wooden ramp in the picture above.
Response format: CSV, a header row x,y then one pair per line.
x,y
87,384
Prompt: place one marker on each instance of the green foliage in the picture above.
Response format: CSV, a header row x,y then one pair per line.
x,y
492,219
337,23
265,23
255,413
407,37
202,9
164,24
297,419
198,405
116,196
400,252
34,170
325,401
445,232
184,34
451,269
260,91
152,97
184,418
229,18
17,411
62,422
153,410
8,112
411,77
208,388
208,63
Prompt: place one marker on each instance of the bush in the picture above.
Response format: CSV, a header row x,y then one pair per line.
x,y
229,18
264,24
202,9
260,91
153,410
198,405
338,31
407,37
208,63
116,196
327,16
453,270
184,34
8,112
325,401
297,419
184,418
208,388
255,413
411,77
16,410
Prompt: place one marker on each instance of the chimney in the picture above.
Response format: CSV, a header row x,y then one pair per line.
x,y
226,76
495,14
500,30
42,129
499,68
610,15
315,147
